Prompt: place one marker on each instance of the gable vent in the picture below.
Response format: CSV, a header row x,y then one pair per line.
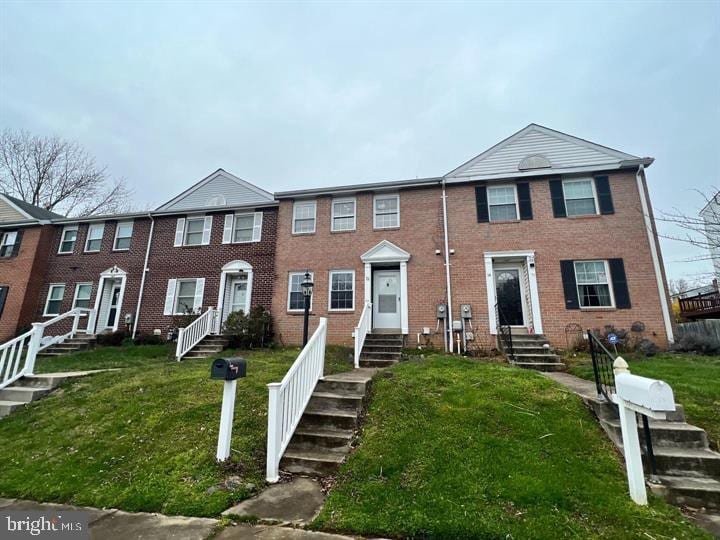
x,y
216,200
534,162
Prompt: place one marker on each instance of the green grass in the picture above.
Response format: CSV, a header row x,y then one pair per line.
x,y
454,448
142,438
695,380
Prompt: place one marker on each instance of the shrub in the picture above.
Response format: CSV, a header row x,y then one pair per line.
x,y
701,343
647,347
248,331
112,339
148,339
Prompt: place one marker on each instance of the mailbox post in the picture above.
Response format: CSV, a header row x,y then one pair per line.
x,y
228,370
635,394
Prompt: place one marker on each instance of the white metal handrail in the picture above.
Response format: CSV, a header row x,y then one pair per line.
x,y
288,398
76,314
14,358
195,332
362,330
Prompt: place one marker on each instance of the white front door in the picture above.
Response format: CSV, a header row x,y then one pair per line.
x,y
386,299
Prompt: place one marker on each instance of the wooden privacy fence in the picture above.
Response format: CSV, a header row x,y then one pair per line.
x,y
703,327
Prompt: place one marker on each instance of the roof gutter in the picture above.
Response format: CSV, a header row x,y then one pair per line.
x,y
144,275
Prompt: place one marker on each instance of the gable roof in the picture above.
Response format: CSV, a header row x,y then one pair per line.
x,y
28,211
538,150
219,189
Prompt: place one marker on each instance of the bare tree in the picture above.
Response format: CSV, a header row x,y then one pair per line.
x,y
58,175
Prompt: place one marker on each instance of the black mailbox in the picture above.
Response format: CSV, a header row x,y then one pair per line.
x,y
228,369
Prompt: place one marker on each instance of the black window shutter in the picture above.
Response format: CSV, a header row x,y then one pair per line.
x,y
3,296
524,202
18,240
619,283
558,198
567,270
602,186
481,204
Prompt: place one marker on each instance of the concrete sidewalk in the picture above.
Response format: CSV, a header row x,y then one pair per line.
x,y
116,524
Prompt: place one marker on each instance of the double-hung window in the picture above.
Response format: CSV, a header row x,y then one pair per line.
x,y
194,231
343,215
243,227
68,239
342,290
94,237
185,296
54,299
502,203
4,291
296,300
593,284
580,197
304,213
82,295
7,243
123,236
386,211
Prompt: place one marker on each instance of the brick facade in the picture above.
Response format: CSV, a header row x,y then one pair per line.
x,y
169,262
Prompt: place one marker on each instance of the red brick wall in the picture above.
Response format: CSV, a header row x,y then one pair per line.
x,y
24,275
169,262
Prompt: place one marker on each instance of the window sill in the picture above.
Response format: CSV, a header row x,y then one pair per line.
x,y
120,250
343,231
65,252
386,228
341,310
303,233
504,221
585,216
90,252
599,309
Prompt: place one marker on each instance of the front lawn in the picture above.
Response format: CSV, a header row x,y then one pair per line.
x,y
142,438
454,448
695,380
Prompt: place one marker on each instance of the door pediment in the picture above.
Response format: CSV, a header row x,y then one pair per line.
x,y
385,252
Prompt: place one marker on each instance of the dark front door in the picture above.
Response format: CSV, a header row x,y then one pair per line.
x,y
509,296
112,314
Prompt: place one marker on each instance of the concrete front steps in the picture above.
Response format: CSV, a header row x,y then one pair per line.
x,y
31,388
381,350
532,351
210,346
329,424
81,342
688,471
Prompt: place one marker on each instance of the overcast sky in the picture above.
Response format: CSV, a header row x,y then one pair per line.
x,y
291,95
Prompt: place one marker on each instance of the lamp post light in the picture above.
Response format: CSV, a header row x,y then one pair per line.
x,y
307,286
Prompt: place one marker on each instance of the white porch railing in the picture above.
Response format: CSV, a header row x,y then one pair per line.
x,y
195,332
362,330
288,398
17,356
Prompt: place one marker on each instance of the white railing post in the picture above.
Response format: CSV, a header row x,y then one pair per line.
x,y
34,347
274,432
361,331
92,316
179,348
76,323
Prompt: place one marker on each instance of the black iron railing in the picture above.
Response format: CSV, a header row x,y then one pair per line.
x,y
602,362
504,333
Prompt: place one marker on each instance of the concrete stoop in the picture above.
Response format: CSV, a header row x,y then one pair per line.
x,y
80,342
688,470
532,351
210,346
381,350
329,424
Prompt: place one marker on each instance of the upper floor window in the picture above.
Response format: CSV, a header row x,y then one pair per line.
x,y
3,296
386,211
593,284
54,299
7,243
304,214
94,237
240,228
343,215
193,231
502,203
296,299
82,295
580,197
68,239
123,236
342,290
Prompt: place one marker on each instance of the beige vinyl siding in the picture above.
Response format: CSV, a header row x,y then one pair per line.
x,y
8,214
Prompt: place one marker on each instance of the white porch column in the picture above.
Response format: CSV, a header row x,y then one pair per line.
x,y
490,284
404,300
221,297
368,283
534,295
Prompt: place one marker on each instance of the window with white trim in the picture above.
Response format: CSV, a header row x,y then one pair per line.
x,y
342,290
123,236
343,215
243,227
185,296
93,242
82,295
296,300
68,239
194,231
304,214
502,203
7,243
580,197
386,211
593,284
53,305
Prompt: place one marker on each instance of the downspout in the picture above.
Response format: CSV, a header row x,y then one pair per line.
x,y
144,274
654,252
447,267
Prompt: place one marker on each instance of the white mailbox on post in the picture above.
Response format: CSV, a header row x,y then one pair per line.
x,y
635,394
